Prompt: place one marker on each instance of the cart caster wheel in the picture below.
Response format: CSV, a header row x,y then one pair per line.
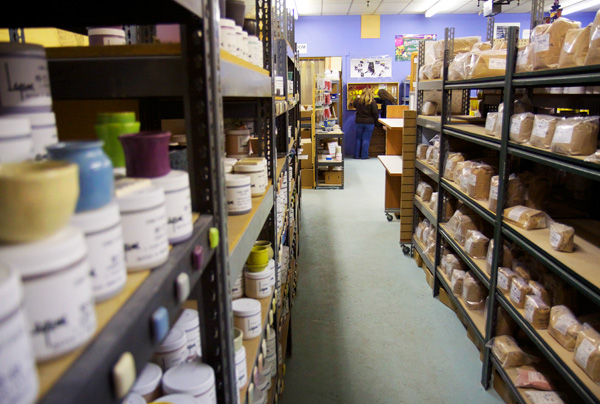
x,y
389,217
405,249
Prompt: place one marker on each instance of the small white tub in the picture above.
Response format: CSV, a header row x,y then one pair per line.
x,y
227,35
106,36
173,350
147,384
195,378
256,168
189,321
16,142
178,199
259,285
43,131
238,194
247,317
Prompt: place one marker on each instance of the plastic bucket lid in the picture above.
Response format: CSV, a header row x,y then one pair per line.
x,y
148,380
97,219
148,197
264,274
227,22
175,339
194,378
22,49
106,31
174,181
13,127
245,307
237,180
11,290
188,319
51,254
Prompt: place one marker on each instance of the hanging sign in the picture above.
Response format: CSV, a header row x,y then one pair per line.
x,y
371,67
302,48
406,45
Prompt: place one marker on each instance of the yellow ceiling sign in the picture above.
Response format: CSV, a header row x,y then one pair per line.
x,y
369,26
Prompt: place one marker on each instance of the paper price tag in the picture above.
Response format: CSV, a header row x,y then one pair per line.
x,y
497,64
540,128
564,323
515,125
516,213
515,293
583,352
541,43
563,134
502,281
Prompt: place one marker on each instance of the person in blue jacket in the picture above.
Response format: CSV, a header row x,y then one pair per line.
x,y
385,98
367,116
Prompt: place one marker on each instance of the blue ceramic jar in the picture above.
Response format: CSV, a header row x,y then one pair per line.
x,y
96,183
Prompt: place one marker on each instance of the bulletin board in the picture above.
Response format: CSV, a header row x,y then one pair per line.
x,y
380,66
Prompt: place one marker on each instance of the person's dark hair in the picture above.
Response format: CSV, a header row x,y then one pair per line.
x,y
385,95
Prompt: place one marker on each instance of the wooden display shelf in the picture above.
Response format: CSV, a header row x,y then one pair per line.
x,y
237,224
253,345
566,357
541,150
51,371
478,264
510,376
583,260
476,316
425,210
426,164
472,129
392,123
279,168
392,164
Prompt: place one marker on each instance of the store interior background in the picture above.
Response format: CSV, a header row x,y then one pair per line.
x,y
340,35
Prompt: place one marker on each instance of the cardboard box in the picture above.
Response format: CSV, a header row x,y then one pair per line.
x,y
333,177
306,157
305,134
444,298
307,178
305,114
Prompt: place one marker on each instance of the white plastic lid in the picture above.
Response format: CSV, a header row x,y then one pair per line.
x,y
265,273
97,219
227,22
138,199
106,31
188,319
174,181
11,290
244,35
22,49
236,180
229,160
238,30
248,168
245,307
148,380
53,253
10,127
194,378
36,119
175,339
133,398
265,372
177,399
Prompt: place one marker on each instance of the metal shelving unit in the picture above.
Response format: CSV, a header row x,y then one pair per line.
x,y
571,269
200,78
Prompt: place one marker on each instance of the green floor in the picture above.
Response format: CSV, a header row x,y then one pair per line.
x,y
366,328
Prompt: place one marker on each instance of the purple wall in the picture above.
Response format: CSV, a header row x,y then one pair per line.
x,y
340,36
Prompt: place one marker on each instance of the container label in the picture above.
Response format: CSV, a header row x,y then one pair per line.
x,y
515,213
583,352
563,323
515,293
472,179
529,310
541,43
522,58
179,212
540,128
555,238
494,192
490,121
515,125
544,397
563,134
145,236
239,199
107,259
469,245
497,64
24,82
503,281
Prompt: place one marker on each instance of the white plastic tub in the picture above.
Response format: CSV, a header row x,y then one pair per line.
x,y
189,321
178,201
147,384
256,168
16,143
106,36
259,285
195,379
238,194
173,350
247,317
43,131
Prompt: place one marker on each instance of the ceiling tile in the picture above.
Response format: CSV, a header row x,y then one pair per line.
x,y
391,8
360,7
336,9
469,8
418,6
308,7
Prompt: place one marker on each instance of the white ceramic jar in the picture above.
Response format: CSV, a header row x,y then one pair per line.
x,y
144,222
238,194
59,301
259,285
258,397
172,351
227,35
26,84
189,322
43,131
241,371
247,317
195,378
238,288
271,361
256,168
178,201
17,363
16,143
104,239
147,383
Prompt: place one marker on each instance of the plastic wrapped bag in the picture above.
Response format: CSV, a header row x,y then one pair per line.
x,y
507,256
489,63
424,191
473,292
593,55
576,136
476,244
456,283
525,59
429,108
433,201
478,181
587,352
507,351
543,397
465,175
518,290
521,270
490,123
450,263
422,151
547,42
521,126
505,278
537,289
532,379
526,218
564,327
543,130
562,237
594,158
575,47
481,46
457,70
451,161
516,192
537,312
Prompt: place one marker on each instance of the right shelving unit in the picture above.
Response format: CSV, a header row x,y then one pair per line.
x,y
570,196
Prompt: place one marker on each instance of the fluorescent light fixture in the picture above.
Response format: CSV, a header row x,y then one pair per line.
x,y
582,5
434,9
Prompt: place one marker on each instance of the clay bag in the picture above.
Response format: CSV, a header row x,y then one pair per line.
x,y
451,161
490,123
562,237
593,55
543,130
521,126
478,182
422,151
508,352
473,292
587,352
564,327
505,278
575,136
457,68
547,42
490,63
526,218
476,244
525,59
537,312
575,48
518,290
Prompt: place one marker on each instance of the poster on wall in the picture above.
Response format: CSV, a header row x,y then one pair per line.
x,y
501,29
380,66
406,45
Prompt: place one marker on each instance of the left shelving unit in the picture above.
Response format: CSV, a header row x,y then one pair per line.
x,y
148,72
